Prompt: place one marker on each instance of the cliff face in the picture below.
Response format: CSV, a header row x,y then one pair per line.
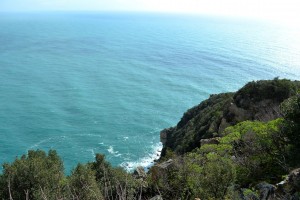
x,y
255,101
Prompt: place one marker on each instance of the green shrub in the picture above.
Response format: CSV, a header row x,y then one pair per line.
x,y
33,176
218,173
259,150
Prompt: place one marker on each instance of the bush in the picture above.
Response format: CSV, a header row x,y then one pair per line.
x,y
218,173
196,175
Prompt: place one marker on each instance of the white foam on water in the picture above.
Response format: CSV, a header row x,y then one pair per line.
x,y
113,152
145,162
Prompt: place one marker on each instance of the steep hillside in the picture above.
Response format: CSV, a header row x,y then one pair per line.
x,y
257,100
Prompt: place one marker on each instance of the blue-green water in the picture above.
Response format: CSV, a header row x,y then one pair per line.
x,y
83,83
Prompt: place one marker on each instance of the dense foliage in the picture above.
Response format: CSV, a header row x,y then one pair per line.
x,y
33,176
291,112
40,176
277,89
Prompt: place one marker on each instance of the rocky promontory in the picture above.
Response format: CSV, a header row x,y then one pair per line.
x,y
257,100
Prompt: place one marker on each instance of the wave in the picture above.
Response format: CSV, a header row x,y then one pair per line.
x,y
145,162
113,152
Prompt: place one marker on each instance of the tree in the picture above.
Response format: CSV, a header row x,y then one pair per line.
x,y
291,113
115,183
290,109
33,176
83,185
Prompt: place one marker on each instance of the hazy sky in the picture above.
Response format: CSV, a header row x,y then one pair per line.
x,y
276,9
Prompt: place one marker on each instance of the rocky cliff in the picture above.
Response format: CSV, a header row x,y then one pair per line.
x,y
257,100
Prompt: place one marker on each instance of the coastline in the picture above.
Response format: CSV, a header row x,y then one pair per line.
x,y
145,162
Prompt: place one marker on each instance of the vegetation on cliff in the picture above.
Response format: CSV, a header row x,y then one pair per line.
x,y
242,145
257,100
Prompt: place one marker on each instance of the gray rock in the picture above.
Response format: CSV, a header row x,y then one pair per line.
x,y
239,114
139,172
166,164
157,197
291,183
266,191
293,179
266,110
214,140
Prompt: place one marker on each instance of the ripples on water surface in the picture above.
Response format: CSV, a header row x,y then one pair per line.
x,y
83,83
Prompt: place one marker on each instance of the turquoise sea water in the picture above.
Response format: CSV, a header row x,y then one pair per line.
x,y
83,83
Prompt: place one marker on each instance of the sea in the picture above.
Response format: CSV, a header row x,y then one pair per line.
x,y
100,82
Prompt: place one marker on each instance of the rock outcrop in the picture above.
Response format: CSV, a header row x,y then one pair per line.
x,y
255,101
214,140
290,186
266,191
288,189
165,165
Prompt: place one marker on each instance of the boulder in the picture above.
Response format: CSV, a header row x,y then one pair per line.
x,y
139,172
157,197
293,179
291,184
266,191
